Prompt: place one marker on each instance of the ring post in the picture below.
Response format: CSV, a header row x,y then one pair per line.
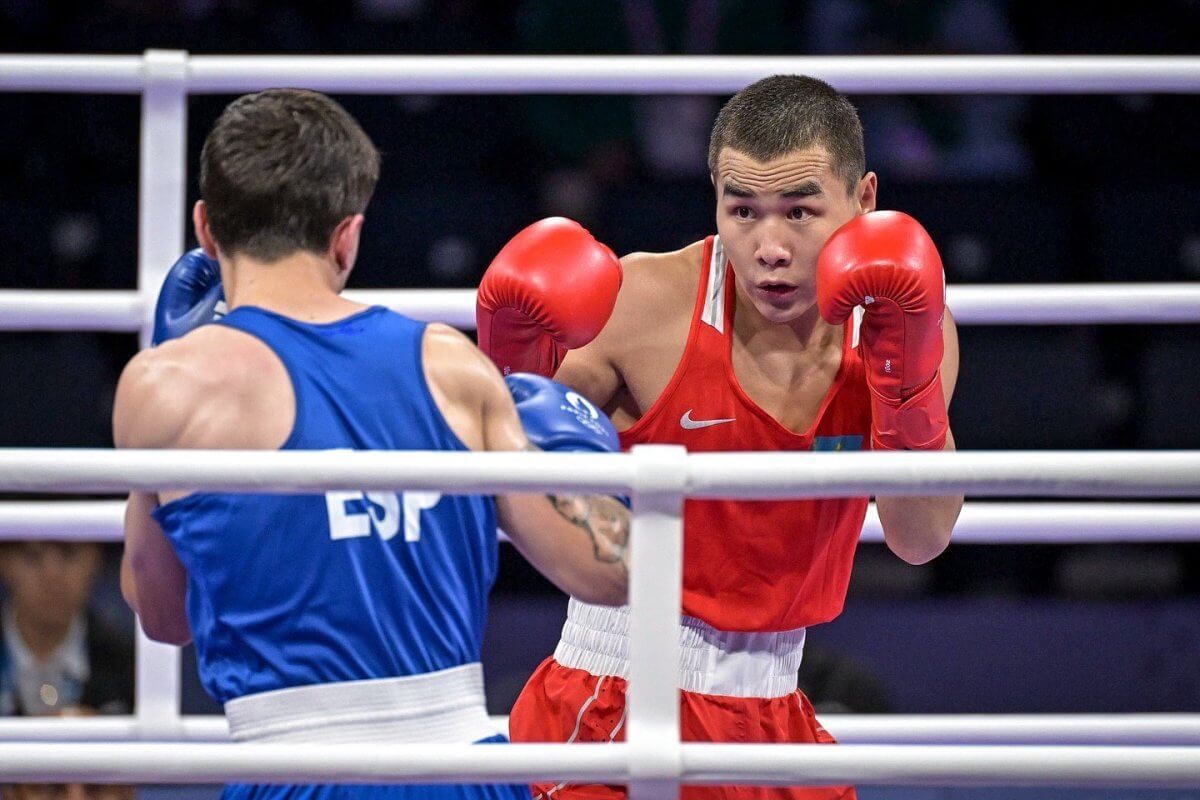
x,y
161,219
163,174
655,597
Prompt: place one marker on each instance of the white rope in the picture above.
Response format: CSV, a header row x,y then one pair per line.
x,y
695,75
979,523
999,474
140,762
613,74
453,306
1067,523
998,304
949,765
1025,729
709,475
864,765
63,520
75,310
1075,304
115,728
1089,729
83,74
76,471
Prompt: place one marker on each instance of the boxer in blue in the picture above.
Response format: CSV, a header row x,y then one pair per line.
x,y
347,616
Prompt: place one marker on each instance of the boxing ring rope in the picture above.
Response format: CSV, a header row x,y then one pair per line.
x,y
756,476
763,765
990,304
979,523
654,760
1152,729
609,74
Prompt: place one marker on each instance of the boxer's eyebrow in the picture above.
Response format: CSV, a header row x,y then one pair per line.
x,y
806,189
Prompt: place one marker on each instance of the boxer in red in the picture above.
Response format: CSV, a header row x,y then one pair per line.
x,y
809,322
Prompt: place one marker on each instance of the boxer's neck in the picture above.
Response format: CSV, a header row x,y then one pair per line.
x,y
303,286
805,332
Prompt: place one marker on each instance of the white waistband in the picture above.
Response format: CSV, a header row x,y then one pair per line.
x,y
441,707
596,639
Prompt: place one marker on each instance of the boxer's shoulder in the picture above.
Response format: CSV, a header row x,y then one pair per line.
x,y
453,363
647,334
216,356
657,286
215,387
463,381
658,269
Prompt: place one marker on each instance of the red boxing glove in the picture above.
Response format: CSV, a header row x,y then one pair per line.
x,y
550,289
886,262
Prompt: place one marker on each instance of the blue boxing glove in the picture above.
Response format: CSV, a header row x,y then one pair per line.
x,y
557,419
189,296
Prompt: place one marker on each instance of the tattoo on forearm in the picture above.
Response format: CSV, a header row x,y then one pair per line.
x,y
605,521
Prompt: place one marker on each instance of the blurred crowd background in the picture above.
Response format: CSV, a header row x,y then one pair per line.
x,y
1045,189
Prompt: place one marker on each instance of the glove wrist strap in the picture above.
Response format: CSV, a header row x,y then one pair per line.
x,y
918,423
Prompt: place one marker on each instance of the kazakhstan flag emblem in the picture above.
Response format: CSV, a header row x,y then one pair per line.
x,y
837,443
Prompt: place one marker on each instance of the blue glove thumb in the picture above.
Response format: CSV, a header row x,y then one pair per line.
x,y
189,296
558,419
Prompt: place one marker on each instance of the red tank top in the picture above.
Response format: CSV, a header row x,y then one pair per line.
x,y
757,565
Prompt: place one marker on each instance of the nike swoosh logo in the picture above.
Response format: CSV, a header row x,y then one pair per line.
x,y
687,423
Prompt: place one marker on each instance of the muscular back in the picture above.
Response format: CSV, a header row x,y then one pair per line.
x,y
222,389
217,388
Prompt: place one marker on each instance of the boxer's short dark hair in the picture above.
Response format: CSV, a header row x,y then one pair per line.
x,y
281,169
784,113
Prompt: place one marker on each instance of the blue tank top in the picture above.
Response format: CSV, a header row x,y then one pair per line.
x,y
295,590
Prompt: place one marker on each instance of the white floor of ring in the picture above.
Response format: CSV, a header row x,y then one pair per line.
x,y
868,793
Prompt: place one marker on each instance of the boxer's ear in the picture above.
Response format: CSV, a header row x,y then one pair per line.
x,y
866,193
343,245
203,230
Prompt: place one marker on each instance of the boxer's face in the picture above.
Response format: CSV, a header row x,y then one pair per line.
x,y
774,217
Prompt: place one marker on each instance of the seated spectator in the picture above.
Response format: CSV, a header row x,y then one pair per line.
x,y
54,653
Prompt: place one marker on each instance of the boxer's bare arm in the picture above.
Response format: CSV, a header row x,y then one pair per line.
x,y
153,581
215,388
632,360
154,398
918,528
578,542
